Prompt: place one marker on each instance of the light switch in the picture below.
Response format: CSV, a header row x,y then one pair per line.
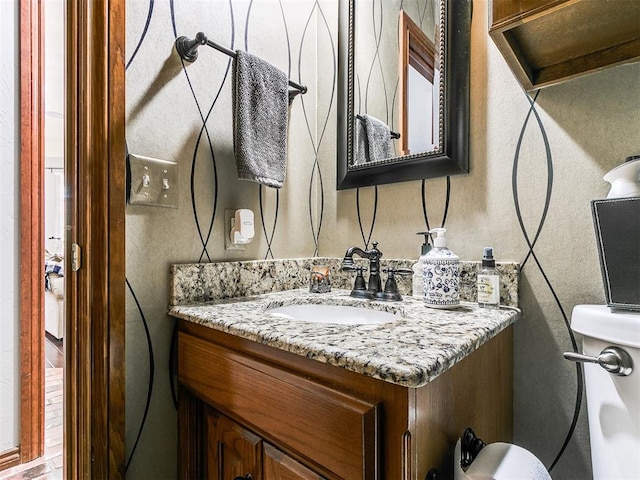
x,y
153,181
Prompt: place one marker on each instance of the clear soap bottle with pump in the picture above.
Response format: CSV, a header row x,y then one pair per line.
x,y
441,274
488,281
418,267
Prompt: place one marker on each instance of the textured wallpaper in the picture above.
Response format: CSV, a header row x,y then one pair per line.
x,y
183,112
536,162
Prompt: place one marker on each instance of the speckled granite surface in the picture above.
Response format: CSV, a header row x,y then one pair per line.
x,y
416,347
204,282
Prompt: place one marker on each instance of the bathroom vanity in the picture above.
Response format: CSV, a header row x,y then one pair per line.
x,y
263,396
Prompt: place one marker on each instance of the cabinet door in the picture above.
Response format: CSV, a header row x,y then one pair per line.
x,y
280,466
327,426
233,451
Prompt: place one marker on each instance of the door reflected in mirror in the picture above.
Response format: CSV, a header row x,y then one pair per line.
x,y
397,75
419,87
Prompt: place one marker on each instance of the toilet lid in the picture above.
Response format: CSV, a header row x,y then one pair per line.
x,y
598,321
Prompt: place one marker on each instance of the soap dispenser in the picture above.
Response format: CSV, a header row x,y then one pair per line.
x,y
441,274
418,267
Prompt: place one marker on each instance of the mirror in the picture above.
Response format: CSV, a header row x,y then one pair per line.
x,y
403,71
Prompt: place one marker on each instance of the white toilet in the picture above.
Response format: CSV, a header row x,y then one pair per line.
x,y
612,378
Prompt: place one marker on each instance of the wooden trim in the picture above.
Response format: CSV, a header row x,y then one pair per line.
x,y
506,12
404,81
31,232
9,458
95,176
73,427
191,436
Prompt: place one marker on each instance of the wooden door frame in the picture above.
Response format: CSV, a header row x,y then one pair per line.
x,y
31,232
94,391
95,294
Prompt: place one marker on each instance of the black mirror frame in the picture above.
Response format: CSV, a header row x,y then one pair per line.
x,y
453,159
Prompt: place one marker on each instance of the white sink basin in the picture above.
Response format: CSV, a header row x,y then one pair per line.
x,y
336,314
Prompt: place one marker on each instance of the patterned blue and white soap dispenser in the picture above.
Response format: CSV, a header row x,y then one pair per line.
x,y
441,274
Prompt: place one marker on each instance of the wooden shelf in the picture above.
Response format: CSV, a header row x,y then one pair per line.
x,y
546,42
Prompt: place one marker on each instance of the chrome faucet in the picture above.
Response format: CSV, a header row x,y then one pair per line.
x,y
373,255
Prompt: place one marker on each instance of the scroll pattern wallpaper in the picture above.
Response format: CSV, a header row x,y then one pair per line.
x,y
536,162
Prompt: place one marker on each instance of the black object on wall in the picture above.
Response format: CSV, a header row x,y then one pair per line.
x,y
531,254
188,51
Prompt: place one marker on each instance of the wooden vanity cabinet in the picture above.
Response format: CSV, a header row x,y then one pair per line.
x,y
232,450
280,466
235,452
246,408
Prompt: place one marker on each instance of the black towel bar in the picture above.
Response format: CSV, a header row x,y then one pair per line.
x,y
392,134
188,51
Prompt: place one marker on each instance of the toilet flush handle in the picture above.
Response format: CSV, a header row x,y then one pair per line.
x,y
613,359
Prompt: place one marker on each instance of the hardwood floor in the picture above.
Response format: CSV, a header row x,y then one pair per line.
x,y
49,466
53,352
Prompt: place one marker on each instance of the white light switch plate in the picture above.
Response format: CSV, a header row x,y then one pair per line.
x,y
153,182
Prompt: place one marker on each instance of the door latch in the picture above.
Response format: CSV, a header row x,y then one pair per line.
x,y
76,257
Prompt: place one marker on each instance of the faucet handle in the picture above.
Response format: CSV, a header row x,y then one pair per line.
x,y
360,285
392,271
390,292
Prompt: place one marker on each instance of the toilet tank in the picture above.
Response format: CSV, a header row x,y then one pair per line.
x,y
613,402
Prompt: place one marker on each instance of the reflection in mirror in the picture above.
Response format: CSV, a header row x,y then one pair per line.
x,y
403,67
398,47
419,84
395,63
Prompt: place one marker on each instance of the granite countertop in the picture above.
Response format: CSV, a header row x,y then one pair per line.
x,y
411,351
